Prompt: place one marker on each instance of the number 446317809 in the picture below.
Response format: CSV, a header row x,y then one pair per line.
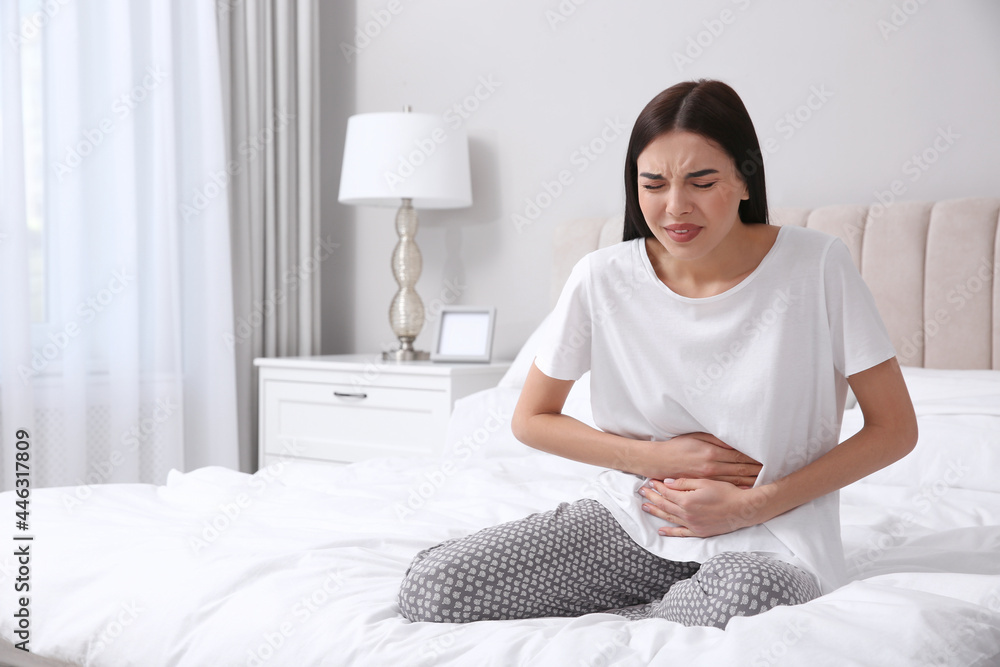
x,y
22,468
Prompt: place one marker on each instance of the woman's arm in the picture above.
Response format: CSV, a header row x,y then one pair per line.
x,y
702,508
538,422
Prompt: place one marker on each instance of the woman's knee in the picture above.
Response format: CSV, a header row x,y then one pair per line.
x,y
433,588
736,584
417,589
771,581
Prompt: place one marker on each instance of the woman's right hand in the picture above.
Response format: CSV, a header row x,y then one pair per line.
x,y
703,456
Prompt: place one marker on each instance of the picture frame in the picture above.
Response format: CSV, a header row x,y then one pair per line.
x,y
464,334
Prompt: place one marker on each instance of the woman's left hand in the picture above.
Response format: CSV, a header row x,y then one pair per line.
x,y
700,507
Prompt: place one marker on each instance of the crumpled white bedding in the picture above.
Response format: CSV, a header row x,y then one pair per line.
x,y
300,564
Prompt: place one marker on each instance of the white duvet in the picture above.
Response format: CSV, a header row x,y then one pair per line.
x,y
300,563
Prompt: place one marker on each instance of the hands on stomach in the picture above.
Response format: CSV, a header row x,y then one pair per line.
x,y
703,456
706,490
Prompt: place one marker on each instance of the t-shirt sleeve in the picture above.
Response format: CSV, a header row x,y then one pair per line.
x,y
564,353
859,336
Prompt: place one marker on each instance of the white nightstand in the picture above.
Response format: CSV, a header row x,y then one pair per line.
x,y
345,408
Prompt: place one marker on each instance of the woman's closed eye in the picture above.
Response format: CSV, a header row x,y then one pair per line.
x,y
701,186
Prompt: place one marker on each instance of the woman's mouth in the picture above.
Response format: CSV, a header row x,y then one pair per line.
x,y
682,233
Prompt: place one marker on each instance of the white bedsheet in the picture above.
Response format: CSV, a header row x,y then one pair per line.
x,y
300,566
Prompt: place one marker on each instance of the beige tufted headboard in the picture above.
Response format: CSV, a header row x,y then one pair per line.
x,y
933,269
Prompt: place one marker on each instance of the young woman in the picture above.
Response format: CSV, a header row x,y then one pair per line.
x,y
720,349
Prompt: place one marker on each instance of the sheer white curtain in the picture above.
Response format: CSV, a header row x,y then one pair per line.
x,y
116,317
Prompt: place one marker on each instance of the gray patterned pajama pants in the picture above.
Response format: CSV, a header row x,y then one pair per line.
x,y
576,559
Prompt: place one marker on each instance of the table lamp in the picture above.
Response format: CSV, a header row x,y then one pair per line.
x,y
408,160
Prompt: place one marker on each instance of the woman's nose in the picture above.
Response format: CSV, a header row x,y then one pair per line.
x,y
678,203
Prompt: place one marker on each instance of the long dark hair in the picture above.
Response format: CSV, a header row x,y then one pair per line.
x,y
713,110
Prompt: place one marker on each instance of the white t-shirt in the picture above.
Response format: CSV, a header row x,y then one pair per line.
x,y
762,366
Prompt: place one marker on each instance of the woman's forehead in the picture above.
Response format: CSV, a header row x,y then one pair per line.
x,y
683,150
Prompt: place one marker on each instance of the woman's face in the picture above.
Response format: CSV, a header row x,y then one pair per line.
x,y
689,193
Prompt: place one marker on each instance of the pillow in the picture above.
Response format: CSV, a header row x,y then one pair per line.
x,y
480,423
480,426
518,371
940,390
958,416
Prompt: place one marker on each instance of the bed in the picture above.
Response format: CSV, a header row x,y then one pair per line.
x,y
299,564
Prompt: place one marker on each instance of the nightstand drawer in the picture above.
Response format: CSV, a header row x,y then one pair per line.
x,y
346,408
350,422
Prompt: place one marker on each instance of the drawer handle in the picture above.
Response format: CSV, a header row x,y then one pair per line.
x,y
346,394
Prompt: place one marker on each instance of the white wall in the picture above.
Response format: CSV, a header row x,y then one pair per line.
x,y
885,78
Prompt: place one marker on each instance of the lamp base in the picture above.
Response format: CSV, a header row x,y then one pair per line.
x,y
406,355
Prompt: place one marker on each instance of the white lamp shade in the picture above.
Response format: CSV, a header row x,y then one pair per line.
x,y
395,155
